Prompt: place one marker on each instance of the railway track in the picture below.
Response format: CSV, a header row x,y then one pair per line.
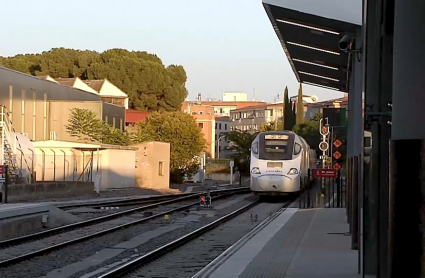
x,y
54,239
161,256
124,202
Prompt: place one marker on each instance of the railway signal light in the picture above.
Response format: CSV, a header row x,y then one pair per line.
x,y
337,155
337,166
208,201
202,201
337,143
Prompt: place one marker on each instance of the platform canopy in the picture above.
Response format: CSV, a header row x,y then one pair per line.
x,y
310,31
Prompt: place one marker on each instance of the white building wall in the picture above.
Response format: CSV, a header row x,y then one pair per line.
x,y
235,96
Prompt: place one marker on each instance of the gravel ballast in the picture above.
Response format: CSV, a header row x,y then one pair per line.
x,y
41,265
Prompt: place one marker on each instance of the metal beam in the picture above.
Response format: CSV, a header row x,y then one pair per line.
x,y
310,19
309,36
323,82
337,74
308,54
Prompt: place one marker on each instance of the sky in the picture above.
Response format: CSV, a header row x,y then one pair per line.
x,y
224,45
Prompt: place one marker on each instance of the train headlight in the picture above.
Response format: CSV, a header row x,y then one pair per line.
x,y
293,171
255,170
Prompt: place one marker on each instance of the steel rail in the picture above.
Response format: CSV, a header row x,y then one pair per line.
x,y
103,232
144,259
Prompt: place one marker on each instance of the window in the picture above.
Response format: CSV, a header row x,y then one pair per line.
x,y
297,149
254,147
161,168
219,126
201,125
201,113
215,125
225,126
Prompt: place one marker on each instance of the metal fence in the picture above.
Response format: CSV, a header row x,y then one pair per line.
x,y
217,166
66,166
323,192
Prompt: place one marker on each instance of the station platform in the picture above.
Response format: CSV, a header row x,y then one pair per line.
x,y
297,243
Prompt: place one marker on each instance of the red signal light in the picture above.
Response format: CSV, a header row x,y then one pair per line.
x,y
202,199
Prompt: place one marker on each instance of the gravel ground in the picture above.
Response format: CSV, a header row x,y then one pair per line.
x,y
14,251
41,265
128,192
193,256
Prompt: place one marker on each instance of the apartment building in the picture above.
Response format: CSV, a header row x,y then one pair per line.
x,y
315,108
205,119
222,126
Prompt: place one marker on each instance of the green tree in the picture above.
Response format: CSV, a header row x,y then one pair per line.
x,y
271,126
294,114
149,84
289,119
309,130
240,144
114,136
185,138
86,126
300,106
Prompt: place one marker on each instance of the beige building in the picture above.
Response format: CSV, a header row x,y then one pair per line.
x,y
39,109
315,108
235,96
106,165
153,165
205,119
109,92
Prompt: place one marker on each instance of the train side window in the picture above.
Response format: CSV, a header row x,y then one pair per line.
x,y
297,149
255,148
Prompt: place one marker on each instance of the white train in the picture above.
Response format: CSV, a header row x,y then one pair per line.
x,y
279,161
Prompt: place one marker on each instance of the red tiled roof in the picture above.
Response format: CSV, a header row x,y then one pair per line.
x,y
134,116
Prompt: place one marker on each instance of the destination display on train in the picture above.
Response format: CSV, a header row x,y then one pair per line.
x,y
276,136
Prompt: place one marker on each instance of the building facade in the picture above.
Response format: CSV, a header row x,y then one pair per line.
x,y
250,118
315,108
235,96
205,119
40,108
222,126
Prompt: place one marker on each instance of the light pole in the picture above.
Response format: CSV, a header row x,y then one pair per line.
x,y
218,145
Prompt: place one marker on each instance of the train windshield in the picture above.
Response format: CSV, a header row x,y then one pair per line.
x,y
277,147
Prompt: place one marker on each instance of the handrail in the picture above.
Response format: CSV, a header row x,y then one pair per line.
x,y
7,125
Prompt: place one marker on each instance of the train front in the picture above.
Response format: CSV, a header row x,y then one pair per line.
x,y
275,164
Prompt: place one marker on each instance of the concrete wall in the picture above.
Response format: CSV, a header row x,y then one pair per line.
x,y
224,177
149,156
59,113
117,168
39,191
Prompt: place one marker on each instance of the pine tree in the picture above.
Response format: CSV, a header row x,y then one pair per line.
x,y
300,107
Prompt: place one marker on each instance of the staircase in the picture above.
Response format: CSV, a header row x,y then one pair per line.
x,y
9,147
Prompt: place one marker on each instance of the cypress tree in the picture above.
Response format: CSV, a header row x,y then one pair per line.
x,y
284,103
288,112
294,115
300,107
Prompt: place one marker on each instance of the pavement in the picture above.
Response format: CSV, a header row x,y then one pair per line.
x,y
298,243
